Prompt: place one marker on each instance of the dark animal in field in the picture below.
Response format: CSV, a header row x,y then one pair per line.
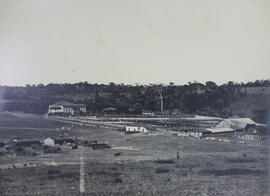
x,y
118,180
117,154
178,156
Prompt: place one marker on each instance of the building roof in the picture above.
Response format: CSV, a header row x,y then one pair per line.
x,y
219,130
110,109
235,123
134,126
198,117
49,138
67,104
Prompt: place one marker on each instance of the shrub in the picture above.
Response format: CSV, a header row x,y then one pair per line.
x,y
168,161
160,170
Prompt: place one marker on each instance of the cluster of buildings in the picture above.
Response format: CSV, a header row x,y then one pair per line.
x,y
49,141
244,128
198,126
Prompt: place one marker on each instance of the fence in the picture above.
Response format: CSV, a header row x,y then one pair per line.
x,y
251,137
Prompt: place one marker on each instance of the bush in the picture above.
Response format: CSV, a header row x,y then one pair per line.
x,y
168,161
160,170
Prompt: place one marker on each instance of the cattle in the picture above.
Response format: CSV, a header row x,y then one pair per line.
x,y
117,154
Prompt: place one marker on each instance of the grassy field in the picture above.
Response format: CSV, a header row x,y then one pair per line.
x,y
147,164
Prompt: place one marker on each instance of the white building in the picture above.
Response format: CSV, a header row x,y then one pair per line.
x,y
66,108
49,141
148,114
136,129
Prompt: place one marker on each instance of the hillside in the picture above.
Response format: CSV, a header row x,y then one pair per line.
x,y
249,100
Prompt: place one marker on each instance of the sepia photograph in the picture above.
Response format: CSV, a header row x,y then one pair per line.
x,y
135,97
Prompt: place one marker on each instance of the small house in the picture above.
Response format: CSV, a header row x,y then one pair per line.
x,y
110,110
146,113
136,129
49,141
15,140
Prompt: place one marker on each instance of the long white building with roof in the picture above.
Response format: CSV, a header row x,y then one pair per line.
x,y
66,108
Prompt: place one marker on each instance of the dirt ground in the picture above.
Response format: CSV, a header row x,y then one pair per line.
x,y
147,165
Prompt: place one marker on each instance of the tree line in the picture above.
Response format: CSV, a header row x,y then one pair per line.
x,y
194,97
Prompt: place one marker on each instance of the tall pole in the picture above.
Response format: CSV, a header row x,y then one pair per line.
x,y
94,96
161,98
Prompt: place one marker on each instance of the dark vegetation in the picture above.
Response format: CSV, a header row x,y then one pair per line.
x,y
167,161
161,170
98,146
232,171
28,150
241,160
209,99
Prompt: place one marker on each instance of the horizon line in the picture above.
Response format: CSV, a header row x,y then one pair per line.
x,y
137,83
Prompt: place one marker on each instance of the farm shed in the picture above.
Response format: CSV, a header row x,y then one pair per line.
x,y
136,129
49,141
238,124
228,127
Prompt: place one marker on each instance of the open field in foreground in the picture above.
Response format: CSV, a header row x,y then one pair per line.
x,y
147,164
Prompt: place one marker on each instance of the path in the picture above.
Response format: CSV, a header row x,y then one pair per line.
x,y
82,180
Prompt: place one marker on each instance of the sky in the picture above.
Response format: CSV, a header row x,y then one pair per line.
x,y
134,41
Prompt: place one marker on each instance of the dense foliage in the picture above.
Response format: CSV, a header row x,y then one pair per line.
x,y
208,98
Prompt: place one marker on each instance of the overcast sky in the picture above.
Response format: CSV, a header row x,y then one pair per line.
x,y
133,41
